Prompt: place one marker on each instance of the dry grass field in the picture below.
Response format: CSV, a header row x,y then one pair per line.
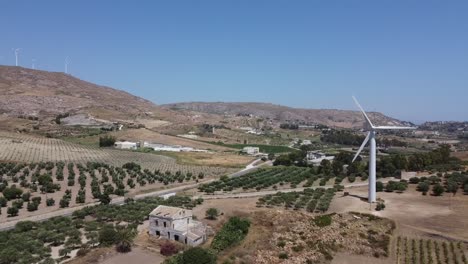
x,y
440,220
229,160
445,215
463,155
25,148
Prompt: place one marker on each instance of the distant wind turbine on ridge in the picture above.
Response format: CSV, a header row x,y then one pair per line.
x,y
16,54
373,150
67,61
33,66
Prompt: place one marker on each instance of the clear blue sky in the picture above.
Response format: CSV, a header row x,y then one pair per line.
x,y
407,59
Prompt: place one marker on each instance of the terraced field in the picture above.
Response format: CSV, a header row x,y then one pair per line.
x,y
26,148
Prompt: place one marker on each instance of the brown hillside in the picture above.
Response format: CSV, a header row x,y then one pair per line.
x,y
26,92
279,113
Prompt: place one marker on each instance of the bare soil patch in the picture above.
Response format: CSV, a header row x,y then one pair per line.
x,y
445,215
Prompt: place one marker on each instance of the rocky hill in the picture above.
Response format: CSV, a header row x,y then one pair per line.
x,y
279,113
41,93
54,102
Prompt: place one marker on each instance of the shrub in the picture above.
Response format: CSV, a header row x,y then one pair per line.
x,y
197,255
12,192
64,202
438,189
12,211
50,202
212,213
423,187
26,197
380,206
168,249
283,255
106,141
32,207
281,243
107,235
131,166
3,202
231,233
414,180
322,220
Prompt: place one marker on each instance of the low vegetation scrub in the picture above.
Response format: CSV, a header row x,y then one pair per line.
x,y
231,233
195,255
106,141
212,213
322,220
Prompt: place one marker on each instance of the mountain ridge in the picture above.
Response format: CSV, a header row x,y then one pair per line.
x,y
280,113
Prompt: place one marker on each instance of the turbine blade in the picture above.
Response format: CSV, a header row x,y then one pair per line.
x,y
393,127
363,112
364,143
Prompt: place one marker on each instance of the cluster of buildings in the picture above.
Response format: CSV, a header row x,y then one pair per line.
x,y
155,146
251,130
173,148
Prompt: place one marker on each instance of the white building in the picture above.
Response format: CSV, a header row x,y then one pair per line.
x,y
316,158
176,224
162,147
125,145
251,150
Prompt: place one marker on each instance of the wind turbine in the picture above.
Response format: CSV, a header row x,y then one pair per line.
x,y
373,150
67,61
16,54
33,65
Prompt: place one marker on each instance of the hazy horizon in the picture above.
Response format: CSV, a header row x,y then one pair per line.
x,y
406,60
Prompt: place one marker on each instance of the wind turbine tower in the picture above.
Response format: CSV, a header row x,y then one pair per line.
x,y
371,134
33,65
16,55
67,61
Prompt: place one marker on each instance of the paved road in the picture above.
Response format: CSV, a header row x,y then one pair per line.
x,y
120,200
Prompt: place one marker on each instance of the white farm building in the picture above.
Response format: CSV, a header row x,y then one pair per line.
x,y
251,150
176,224
317,157
125,145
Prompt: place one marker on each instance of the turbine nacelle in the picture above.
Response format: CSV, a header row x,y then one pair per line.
x,y
372,129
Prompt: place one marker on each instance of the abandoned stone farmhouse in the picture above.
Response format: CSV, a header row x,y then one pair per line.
x,y
176,224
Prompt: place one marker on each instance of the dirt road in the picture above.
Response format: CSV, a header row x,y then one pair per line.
x,y
120,200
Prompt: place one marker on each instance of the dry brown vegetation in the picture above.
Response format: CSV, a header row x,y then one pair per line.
x,y
295,237
463,155
230,160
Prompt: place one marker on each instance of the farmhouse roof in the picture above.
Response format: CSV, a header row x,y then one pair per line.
x,y
170,212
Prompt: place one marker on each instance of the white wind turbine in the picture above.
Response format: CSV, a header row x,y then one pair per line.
x,y
16,54
67,61
373,150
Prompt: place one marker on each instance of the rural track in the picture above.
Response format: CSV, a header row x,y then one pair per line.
x,y
120,200
300,189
